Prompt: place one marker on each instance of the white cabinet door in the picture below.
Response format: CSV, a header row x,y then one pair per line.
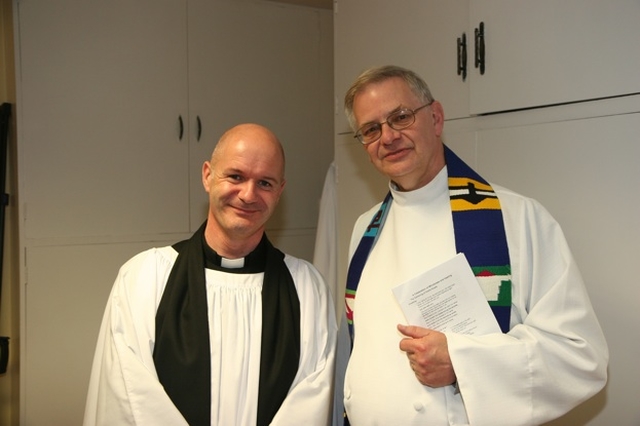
x,y
536,53
547,52
102,86
417,34
67,294
585,173
270,64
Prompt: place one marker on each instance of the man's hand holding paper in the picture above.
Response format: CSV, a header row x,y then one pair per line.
x,y
446,298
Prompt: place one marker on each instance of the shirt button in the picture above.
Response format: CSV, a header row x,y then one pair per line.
x,y
418,405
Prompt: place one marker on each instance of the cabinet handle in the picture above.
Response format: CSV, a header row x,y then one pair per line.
x,y
479,32
181,127
199,128
462,56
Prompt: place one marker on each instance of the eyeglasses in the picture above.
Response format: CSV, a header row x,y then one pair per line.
x,y
397,120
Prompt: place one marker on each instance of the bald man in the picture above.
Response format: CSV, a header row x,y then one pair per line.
x,y
222,328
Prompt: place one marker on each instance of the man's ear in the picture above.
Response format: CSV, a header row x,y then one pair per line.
x,y
206,175
437,114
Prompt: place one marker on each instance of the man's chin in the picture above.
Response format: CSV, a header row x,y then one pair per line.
x,y
244,227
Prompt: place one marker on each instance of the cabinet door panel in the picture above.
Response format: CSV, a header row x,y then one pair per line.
x,y
270,64
549,52
416,34
66,297
102,86
585,173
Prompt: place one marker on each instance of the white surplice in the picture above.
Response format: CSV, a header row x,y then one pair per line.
x,y
554,356
124,387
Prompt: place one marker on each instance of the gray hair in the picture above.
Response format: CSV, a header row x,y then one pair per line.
x,y
379,74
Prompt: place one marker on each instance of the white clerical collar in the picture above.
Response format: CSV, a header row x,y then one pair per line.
x,y
436,189
232,263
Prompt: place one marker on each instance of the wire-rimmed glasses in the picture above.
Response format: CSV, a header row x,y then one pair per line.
x,y
397,120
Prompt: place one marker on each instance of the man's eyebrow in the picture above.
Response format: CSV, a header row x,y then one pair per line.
x,y
388,113
236,171
270,179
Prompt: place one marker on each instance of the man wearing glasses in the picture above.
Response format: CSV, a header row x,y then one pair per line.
x,y
550,354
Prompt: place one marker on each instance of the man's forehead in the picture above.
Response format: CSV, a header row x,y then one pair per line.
x,y
381,99
260,169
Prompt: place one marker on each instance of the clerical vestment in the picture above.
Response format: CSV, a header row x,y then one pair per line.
x,y
553,357
124,387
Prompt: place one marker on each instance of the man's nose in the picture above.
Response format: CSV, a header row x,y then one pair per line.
x,y
388,134
248,193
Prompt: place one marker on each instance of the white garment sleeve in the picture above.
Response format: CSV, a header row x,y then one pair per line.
x,y
325,257
124,387
310,398
555,355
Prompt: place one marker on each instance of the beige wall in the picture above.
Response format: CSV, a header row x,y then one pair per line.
x,y
9,325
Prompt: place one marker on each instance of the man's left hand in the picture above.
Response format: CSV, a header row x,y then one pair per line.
x,y
428,355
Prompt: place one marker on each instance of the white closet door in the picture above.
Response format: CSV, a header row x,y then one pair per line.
x,y
547,52
417,34
62,319
270,64
585,173
102,86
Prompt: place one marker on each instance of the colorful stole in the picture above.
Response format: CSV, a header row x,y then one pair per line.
x,y
479,234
